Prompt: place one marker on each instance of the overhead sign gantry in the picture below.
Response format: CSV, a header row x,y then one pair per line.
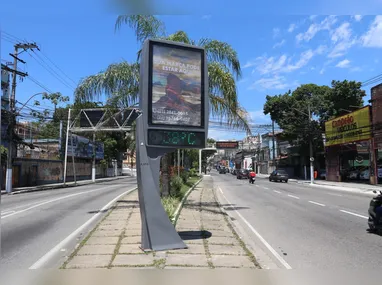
x,y
175,112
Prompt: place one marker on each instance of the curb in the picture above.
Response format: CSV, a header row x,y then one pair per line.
x,y
53,187
174,220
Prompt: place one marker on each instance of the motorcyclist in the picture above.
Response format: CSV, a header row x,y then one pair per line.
x,y
252,174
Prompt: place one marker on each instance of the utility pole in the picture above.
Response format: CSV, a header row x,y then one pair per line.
x,y
273,144
311,158
25,47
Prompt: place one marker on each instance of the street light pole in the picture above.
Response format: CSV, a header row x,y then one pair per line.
x,y
311,158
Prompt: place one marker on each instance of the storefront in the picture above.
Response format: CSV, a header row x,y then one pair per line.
x,y
349,149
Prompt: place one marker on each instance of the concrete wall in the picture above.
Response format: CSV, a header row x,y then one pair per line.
x,y
32,172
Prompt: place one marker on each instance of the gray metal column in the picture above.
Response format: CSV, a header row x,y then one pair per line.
x,y
158,233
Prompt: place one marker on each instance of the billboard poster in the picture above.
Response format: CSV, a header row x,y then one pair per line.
x,y
177,86
355,126
83,148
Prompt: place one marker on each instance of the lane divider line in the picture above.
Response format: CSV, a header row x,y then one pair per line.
x,y
266,244
295,197
55,200
277,191
266,188
354,214
57,249
7,212
315,203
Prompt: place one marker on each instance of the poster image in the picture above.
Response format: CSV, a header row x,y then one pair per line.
x,y
176,86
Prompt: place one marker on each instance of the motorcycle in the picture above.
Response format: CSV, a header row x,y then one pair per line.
x,y
252,180
375,221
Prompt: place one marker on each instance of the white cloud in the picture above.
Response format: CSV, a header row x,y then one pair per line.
x,y
343,40
292,27
357,17
322,71
279,44
314,28
312,17
273,83
258,117
373,37
343,64
283,64
276,32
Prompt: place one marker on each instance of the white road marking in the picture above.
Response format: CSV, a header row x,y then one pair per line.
x,y
267,245
43,260
54,200
277,191
354,214
266,188
319,204
295,197
258,186
7,212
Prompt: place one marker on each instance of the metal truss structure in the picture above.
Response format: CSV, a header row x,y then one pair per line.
x,y
104,120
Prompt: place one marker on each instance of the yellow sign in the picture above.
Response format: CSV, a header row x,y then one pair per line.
x,y
355,126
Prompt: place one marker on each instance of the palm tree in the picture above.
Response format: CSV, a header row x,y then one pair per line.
x,y
120,81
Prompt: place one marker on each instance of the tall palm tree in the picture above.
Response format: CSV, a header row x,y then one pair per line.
x,y
120,81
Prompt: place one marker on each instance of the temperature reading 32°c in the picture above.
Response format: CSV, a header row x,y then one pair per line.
x,y
176,138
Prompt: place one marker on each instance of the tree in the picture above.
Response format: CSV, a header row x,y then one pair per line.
x,y
290,110
120,82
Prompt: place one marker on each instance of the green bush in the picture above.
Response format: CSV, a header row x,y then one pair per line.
x,y
185,175
192,172
169,204
176,184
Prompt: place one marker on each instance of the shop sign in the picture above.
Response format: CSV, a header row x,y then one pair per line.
x,y
352,127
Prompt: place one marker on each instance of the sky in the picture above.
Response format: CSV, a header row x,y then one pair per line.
x,y
277,52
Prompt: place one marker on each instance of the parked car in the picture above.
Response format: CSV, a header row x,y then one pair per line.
x,y
242,174
279,175
323,174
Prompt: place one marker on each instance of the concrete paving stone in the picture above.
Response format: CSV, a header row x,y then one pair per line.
x,y
192,249
121,224
192,240
89,261
209,227
102,240
187,260
217,249
107,233
220,233
131,240
134,232
110,227
186,267
222,240
130,248
232,261
133,260
96,249
133,227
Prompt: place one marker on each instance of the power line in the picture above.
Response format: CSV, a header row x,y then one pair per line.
x,y
50,70
39,84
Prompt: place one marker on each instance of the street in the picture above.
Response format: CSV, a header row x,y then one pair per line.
x,y
307,227
32,224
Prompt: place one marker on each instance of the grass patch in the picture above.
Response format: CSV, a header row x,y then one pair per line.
x,y
170,203
160,263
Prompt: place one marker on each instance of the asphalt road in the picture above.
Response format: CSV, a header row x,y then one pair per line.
x,y
32,224
308,227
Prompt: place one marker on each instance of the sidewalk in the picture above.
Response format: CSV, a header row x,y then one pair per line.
x,y
211,241
20,190
340,186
